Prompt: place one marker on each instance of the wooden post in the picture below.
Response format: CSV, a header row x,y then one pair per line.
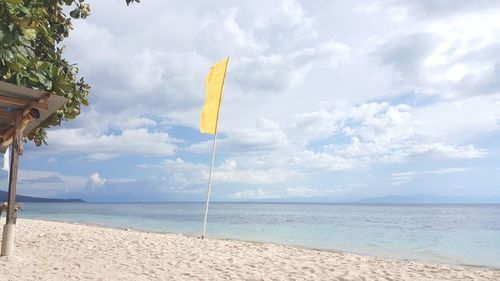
x,y
9,228
17,143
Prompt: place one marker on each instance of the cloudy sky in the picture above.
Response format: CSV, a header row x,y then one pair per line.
x,y
324,101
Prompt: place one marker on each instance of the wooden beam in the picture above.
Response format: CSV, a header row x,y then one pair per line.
x,y
7,115
28,115
14,165
39,105
22,102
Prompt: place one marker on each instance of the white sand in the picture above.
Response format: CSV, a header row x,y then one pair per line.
x,y
64,251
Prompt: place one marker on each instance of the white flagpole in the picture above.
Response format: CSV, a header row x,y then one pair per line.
x,y
213,156
209,184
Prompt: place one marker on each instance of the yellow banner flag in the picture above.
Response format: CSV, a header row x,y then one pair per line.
x,y
213,85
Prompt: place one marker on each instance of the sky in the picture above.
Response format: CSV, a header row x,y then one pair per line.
x,y
324,101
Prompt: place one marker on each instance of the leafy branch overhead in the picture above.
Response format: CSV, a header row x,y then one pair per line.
x,y
31,54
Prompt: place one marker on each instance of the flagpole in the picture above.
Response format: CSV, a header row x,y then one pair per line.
x,y
213,154
209,185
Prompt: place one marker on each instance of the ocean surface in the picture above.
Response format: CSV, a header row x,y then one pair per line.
x,y
452,234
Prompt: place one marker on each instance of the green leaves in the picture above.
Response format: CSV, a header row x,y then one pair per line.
x,y
132,1
75,13
81,11
6,55
14,1
30,33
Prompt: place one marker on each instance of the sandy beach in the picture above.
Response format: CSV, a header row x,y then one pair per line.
x,y
63,251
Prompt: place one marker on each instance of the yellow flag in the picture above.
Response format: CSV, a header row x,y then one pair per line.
x,y
213,85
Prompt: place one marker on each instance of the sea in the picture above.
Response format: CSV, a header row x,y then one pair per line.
x,y
450,234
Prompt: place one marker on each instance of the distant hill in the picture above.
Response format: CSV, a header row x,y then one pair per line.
x,y
22,198
429,199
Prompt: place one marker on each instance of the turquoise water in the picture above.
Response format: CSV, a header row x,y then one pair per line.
x,y
456,234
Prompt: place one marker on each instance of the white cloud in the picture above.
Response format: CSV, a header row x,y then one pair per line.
x,y
302,100
316,125
182,173
460,152
229,172
300,191
134,123
233,30
47,183
290,23
447,56
379,132
403,177
281,72
51,160
188,173
353,137
95,181
459,119
265,137
310,161
289,192
253,194
102,147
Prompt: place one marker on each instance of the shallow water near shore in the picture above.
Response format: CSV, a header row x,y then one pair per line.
x,y
453,234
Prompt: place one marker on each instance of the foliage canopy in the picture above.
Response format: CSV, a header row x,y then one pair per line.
x,y
31,32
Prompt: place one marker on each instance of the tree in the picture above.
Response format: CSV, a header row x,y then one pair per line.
x,y
31,54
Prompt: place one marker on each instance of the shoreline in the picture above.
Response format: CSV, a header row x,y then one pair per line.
x,y
128,229
57,250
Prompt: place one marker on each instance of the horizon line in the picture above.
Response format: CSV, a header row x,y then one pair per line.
x,y
279,202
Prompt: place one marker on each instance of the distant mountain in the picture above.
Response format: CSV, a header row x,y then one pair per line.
x,y
429,199
22,198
